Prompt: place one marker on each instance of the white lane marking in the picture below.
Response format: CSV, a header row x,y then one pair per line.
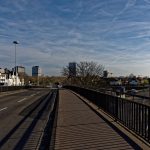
x,y
3,108
32,94
21,100
25,98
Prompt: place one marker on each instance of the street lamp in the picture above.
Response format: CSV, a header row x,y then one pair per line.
x,y
15,42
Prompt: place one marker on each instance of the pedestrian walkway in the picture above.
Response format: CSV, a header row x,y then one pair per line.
x,y
79,128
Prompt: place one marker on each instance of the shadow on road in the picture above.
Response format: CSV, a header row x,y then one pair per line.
x,y
37,108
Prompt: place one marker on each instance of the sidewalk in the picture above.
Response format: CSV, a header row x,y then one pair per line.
x,y
78,127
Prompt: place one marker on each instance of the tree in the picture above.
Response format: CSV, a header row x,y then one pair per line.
x,y
132,76
88,74
85,69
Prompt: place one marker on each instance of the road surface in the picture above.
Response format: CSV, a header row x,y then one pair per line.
x,y
17,118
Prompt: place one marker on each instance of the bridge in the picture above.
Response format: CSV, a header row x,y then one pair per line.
x,y
75,118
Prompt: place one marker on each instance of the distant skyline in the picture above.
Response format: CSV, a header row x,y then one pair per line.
x,y
52,33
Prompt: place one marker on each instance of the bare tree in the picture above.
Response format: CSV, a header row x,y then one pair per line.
x,y
65,71
87,74
89,69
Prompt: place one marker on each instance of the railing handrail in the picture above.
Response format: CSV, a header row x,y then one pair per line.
x,y
115,96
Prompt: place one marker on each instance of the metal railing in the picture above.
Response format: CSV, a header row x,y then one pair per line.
x,y
133,115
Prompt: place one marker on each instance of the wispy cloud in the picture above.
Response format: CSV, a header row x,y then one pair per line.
x,y
147,1
53,32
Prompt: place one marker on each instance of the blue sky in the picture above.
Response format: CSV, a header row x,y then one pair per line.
x,y
114,33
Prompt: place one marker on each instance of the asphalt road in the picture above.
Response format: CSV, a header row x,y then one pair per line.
x,y
17,113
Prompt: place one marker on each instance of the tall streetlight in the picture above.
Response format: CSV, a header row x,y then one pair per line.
x,y
15,42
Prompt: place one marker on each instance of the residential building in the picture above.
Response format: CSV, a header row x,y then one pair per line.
x,y
2,70
115,82
8,78
133,82
14,80
2,78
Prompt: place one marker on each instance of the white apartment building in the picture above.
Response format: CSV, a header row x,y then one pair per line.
x,y
13,80
2,79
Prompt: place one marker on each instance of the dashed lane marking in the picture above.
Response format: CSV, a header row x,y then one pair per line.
x,y
21,100
25,98
3,108
33,95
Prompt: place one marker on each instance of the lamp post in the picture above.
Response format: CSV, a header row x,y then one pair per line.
x,y
15,42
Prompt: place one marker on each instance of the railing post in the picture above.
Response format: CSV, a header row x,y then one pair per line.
x,y
149,124
116,109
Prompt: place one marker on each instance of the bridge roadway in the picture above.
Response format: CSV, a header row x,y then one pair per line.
x,y
19,126
78,127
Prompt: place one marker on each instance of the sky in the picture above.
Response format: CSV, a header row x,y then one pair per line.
x,y
52,33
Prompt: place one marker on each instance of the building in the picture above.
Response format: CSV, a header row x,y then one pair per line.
x,y
8,78
115,82
133,82
36,71
20,69
2,79
105,73
14,80
3,76
2,70
72,69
